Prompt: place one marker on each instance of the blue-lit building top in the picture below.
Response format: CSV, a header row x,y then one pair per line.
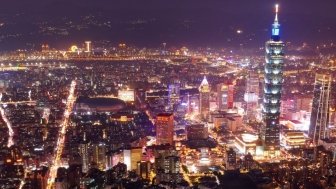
x,y
272,88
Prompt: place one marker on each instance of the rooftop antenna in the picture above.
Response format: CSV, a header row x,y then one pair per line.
x,y
276,12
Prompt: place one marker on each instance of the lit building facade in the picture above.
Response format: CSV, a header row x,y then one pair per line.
x,y
131,157
272,89
84,153
88,46
252,83
319,119
99,155
225,96
231,159
172,164
143,169
197,132
173,93
247,143
292,139
164,128
204,90
126,95
251,96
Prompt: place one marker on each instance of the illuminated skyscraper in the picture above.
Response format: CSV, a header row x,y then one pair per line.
x,y
252,83
251,96
272,89
319,119
172,164
98,155
197,132
164,128
204,90
88,47
84,153
173,93
231,159
225,96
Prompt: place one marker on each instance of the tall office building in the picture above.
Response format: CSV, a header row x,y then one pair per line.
x,y
131,157
197,132
225,96
98,155
172,164
173,93
319,119
251,96
164,128
272,89
231,159
204,90
143,169
88,46
252,83
84,153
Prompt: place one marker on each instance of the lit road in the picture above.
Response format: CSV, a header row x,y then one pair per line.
x,y
150,117
186,176
23,182
61,135
9,125
10,129
147,111
19,102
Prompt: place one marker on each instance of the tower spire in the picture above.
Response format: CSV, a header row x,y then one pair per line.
x,y
204,81
84,137
276,25
276,13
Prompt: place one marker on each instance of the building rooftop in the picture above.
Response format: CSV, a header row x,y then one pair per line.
x,y
100,101
164,114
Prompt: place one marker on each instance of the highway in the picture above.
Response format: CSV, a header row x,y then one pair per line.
x,y
61,136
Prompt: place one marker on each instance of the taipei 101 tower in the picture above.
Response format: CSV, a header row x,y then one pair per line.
x,y
272,89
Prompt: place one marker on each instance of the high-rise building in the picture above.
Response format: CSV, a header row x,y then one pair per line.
x,y
99,155
136,155
164,128
143,169
197,132
225,96
172,164
252,83
204,90
84,153
173,93
272,89
231,159
166,164
319,119
131,157
160,153
251,96
88,47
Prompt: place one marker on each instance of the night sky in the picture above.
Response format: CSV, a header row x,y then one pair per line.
x,y
176,22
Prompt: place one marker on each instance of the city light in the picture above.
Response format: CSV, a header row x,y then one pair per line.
x,y
90,98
